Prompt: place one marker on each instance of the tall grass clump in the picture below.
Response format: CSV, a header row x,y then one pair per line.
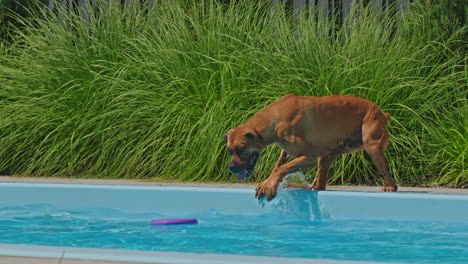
x,y
148,92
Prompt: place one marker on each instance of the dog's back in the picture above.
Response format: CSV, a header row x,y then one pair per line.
x,y
321,122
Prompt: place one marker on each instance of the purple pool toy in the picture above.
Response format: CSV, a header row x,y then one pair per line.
x,y
177,221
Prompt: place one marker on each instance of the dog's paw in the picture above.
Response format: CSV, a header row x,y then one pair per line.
x,y
266,189
389,189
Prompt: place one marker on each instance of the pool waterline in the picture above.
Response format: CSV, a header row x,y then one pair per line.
x,y
321,206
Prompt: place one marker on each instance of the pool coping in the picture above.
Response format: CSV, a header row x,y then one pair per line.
x,y
136,182
89,255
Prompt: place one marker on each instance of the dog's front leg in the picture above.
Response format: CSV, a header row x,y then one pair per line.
x,y
283,158
268,187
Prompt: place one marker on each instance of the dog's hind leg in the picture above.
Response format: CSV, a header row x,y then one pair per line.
x,y
377,155
375,139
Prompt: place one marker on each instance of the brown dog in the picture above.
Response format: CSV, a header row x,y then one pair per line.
x,y
306,128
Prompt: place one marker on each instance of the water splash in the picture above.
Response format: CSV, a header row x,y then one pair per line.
x,y
297,204
295,178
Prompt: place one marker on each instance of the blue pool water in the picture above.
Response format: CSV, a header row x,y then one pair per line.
x,y
269,234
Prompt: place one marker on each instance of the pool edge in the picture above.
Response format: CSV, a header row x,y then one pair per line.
x,y
141,256
137,182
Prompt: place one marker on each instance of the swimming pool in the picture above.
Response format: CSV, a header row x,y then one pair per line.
x,y
347,226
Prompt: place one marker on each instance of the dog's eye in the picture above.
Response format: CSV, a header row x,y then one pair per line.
x,y
240,151
230,151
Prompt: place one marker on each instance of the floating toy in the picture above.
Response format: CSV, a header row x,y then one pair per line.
x,y
177,221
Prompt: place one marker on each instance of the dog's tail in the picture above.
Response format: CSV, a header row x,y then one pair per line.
x,y
387,116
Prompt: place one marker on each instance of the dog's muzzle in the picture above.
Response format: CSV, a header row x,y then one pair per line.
x,y
246,171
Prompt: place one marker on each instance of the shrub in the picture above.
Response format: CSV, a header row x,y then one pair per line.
x,y
149,93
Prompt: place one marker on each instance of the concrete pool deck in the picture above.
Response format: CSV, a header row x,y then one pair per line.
x,y
350,188
16,259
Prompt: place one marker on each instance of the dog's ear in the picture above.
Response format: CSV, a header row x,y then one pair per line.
x,y
253,136
225,138
250,135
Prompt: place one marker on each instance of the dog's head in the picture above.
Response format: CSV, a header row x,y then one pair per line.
x,y
244,146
